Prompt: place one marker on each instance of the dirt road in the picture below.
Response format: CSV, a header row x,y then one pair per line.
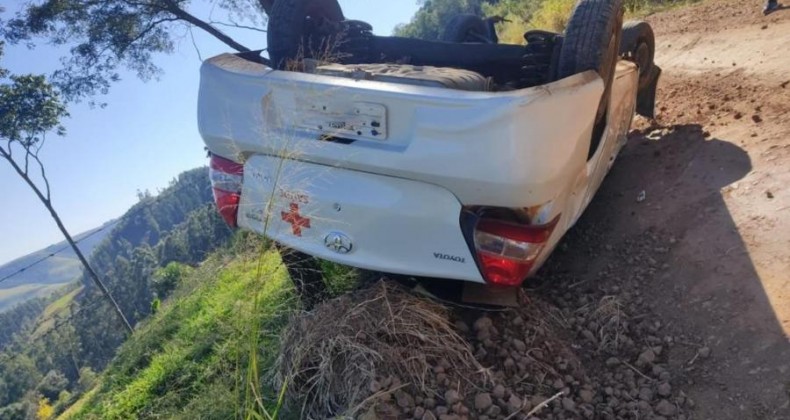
x,y
715,168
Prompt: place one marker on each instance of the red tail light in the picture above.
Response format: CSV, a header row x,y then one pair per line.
x,y
226,181
507,251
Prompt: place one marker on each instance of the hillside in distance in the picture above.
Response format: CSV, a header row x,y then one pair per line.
x,y
51,273
65,339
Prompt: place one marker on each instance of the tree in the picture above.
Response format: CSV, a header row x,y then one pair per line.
x,y
53,383
3,391
20,375
168,278
106,35
434,15
64,398
87,379
29,109
13,411
45,410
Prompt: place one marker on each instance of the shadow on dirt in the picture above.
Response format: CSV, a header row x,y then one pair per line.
x,y
679,256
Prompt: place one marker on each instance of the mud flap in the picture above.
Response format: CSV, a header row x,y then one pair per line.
x,y
646,98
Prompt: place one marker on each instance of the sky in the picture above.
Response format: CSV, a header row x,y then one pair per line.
x,y
144,138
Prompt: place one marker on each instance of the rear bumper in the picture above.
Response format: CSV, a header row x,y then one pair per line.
x,y
364,220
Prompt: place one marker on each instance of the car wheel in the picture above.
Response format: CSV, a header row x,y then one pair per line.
x,y
466,28
289,24
639,45
591,42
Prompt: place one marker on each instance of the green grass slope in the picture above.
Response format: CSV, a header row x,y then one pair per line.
x,y
206,352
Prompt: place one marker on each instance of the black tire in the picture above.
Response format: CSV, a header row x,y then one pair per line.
x,y
288,26
466,28
591,42
639,45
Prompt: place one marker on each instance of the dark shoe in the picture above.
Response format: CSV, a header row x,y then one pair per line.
x,y
770,7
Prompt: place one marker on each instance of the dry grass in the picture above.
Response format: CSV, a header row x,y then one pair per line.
x,y
608,323
338,359
612,323
312,54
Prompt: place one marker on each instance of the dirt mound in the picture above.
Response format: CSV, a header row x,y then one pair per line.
x,y
386,353
380,344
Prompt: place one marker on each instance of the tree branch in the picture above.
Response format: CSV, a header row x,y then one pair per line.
x,y
194,44
27,160
7,152
145,31
236,25
44,177
186,16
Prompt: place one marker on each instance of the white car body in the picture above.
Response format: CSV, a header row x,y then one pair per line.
x,y
391,202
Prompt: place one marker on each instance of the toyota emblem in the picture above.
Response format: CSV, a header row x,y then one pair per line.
x,y
338,242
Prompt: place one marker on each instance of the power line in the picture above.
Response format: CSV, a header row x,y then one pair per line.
x,y
51,255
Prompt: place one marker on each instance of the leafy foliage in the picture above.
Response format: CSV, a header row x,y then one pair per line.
x,y
45,411
87,379
434,15
166,279
52,385
19,374
3,71
190,359
178,225
20,319
522,15
107,36
175,229
552,15
29,107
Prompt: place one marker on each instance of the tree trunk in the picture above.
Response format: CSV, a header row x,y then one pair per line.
x,y
48,204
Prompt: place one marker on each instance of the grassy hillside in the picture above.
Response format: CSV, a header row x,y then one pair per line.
x,y
57,311
14,295
206,352
48,347
51,273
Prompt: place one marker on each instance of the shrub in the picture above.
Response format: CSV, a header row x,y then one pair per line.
x,y
552,15
168,278
45,410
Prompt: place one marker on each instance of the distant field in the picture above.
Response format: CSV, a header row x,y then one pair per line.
x,y
11,296
56,310
48,269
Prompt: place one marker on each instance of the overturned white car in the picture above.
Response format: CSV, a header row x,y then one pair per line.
x,y
459,159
